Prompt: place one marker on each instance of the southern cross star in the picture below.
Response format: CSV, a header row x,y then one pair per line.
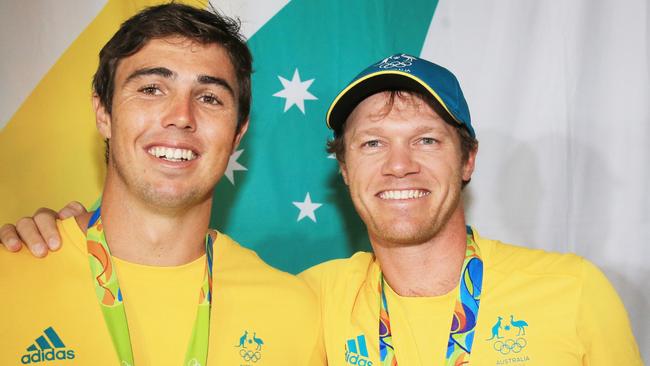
x,y
295,92
233,166
307,208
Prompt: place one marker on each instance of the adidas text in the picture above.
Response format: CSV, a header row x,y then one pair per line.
x,y
47,355
355,359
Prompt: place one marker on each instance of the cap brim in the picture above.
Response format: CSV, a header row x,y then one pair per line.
x,y
374,83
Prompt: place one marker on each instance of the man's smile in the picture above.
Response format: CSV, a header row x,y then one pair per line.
x,y
403,194
172,154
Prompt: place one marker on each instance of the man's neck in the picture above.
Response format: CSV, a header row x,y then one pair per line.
x,y
138,233
429,269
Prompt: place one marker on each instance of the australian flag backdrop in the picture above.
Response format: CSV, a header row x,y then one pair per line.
x,y
558,93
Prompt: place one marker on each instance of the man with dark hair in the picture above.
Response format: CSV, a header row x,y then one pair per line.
x,y
143,280
201,26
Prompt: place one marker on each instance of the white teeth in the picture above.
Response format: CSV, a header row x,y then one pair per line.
x,y
403,194
172,154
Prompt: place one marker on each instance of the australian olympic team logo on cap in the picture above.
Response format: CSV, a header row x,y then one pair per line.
x,y
250,347
399,62
508,338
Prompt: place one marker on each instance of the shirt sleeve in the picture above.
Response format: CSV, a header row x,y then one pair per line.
x,y
602,323
312,276
319,357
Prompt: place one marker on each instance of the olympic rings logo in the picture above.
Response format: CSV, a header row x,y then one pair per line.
x,y
510,345
250,355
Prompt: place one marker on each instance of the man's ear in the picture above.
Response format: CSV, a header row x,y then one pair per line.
x,y
102,117
240,134
344,172
468,167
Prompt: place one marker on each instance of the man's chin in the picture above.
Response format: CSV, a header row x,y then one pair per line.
x,y
163,192
175,200
404,234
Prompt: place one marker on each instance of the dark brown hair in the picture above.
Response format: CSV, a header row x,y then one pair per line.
x,y
198,25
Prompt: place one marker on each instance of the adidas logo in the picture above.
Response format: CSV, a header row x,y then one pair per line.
x,y
47,347
356,351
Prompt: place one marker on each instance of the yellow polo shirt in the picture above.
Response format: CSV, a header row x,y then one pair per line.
x,y
537,308
49,314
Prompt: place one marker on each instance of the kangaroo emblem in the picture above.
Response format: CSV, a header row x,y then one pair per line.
x,y
495,329
520,324
242,340
259,341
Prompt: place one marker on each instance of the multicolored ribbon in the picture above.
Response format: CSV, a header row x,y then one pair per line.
x,y
107,289
463,322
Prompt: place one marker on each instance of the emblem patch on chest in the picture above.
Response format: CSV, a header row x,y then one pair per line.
x,y
509,340
250,348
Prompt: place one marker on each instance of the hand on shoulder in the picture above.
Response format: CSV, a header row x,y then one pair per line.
x,y
39,232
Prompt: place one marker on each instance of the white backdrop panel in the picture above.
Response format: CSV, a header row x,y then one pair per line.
x,y
559,94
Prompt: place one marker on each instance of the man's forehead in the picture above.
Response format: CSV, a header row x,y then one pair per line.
x,y
392,106
378,128
183,52
175,41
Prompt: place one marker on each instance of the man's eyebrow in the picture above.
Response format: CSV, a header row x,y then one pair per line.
x,y
160,71
424,129
375,131
207,79
369,131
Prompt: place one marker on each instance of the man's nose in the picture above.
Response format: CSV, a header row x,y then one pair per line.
x,y
400,162
181,112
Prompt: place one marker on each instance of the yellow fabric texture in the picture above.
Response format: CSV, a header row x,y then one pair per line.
x,y
257,311
421,317
537,308
146,287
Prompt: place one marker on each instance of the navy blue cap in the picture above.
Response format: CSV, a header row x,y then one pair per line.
x,y
402,72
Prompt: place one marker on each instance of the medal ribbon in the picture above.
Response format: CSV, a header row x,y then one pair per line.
x,y
463,322
107,289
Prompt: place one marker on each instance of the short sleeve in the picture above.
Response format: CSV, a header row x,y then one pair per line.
x,y
312,276
602,322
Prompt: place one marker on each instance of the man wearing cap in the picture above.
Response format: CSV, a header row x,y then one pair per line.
x,y
434,291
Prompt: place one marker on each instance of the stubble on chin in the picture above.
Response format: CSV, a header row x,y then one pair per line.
x,y
396,233
153,195
407,231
